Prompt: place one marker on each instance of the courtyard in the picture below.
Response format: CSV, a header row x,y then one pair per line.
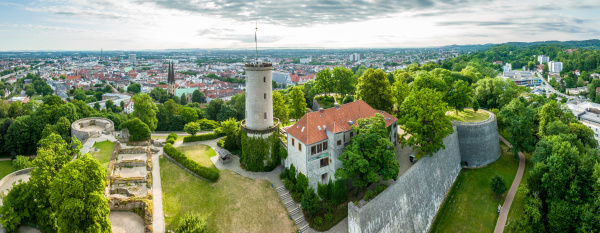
x,y
232,204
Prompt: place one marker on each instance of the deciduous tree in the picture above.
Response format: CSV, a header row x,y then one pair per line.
x,y
280,109
374,88
145,109
297,103
424,121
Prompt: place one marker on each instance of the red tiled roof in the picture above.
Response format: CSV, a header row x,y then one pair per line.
x,y
335,120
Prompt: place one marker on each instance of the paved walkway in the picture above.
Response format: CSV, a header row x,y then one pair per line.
x,y
511,193
158,223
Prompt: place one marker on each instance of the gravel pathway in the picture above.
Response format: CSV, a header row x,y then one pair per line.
x,y
158,224
126,222
511,193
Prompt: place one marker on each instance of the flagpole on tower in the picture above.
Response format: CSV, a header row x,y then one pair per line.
x,y
256,43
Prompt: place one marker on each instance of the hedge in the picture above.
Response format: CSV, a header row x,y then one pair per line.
x,y
172,135
210,174
202,137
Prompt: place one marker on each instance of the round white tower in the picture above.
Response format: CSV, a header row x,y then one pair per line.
x,y
259,97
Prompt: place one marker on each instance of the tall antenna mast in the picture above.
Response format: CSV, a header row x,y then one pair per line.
x,y
256,43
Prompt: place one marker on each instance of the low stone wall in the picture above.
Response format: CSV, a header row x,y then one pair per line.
x,y
139,150
412,202
78,127
12,175
140,143
478,141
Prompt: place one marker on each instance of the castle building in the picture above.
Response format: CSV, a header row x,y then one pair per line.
x,y
171,80
316,141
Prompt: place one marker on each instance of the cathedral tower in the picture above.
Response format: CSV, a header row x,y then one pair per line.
x,y
171,80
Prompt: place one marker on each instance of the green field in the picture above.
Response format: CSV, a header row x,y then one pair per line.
x,y
199,153
470,205
232,204
103,156
468,115
5,168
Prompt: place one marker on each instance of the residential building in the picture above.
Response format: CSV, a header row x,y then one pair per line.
x,y
555,67
282,78
317,140
354,57
305,60
128,107
543,59
507,67
523,78
576,91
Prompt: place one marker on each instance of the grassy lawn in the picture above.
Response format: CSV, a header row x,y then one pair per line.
x,y
516,209
469,115
103,156
470,205
5,168
199,153
179,138
233,204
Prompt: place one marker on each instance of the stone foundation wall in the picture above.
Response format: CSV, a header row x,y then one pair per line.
x,y
77,128
412,202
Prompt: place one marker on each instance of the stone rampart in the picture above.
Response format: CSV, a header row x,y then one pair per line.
x,y
411,203
14,174
478,141
91,127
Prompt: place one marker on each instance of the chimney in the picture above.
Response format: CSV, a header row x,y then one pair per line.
x,y
336,105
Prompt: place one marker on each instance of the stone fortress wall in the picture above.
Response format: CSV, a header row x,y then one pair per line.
x,y
412,202
478,141
91,127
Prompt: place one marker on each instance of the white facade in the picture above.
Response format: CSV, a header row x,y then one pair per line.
x,y
305,60
259,97
507,67
543,59
555,67
354,57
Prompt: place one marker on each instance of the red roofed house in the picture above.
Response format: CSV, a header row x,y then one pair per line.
x,y
317,140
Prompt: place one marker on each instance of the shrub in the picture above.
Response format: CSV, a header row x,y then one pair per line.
x,y
340,192
172,135
21,162
221,143
475,105
289,185
368,195
171,140
318,221
301,183
348,99
497,185
324,191
202,137
208,124
192,128
292,173
284,174
192,223
310,202
138,130
297,197
328,217
283,154
210,174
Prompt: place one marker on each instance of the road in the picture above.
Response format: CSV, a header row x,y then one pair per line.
x,y
551,89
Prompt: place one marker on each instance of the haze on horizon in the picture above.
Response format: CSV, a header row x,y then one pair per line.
x,y
180,24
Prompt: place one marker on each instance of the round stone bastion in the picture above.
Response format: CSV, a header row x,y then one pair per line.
x,y
478,141
91,127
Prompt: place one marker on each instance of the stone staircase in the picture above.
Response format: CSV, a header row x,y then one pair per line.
x,y
293,208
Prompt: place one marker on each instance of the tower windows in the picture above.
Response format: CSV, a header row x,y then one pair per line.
x,y
265,95
265,79
265,115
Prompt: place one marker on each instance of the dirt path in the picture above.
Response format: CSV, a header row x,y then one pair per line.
x,y
511,193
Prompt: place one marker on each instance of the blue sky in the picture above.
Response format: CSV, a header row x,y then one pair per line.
x,y
171,24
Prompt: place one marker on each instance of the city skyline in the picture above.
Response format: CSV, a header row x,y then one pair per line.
x,y
188,24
